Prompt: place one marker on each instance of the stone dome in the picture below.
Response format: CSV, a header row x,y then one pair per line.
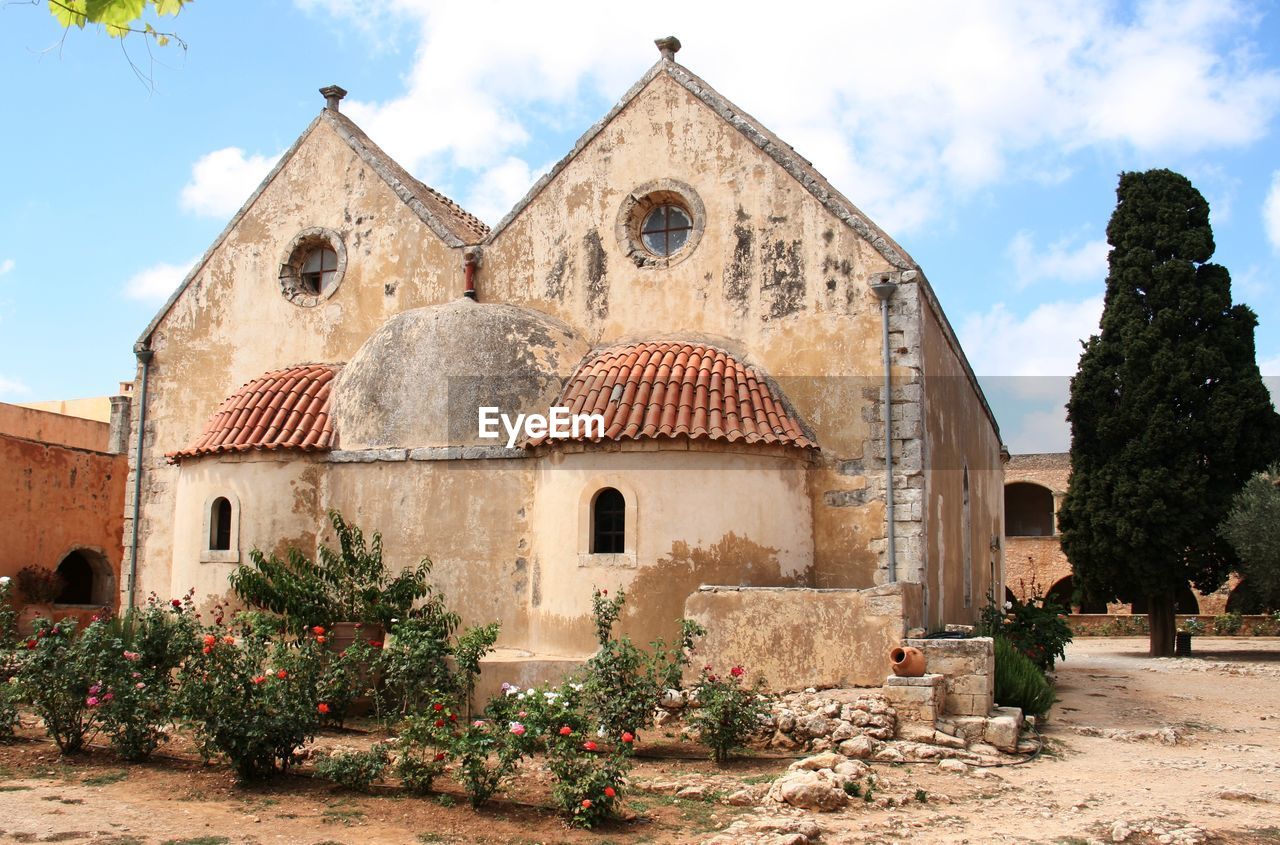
x,y
420,379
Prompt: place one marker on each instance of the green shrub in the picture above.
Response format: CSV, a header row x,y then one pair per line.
x,y
355,769
251,700
1228,624
351,584
8,617
424,663
623,684
420,748
55,677
1019,681
1037,627
728,714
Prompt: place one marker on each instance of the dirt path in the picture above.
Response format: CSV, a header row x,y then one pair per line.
x,y
1168,742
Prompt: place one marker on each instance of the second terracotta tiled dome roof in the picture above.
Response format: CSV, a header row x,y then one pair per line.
x,y
285,409
677,389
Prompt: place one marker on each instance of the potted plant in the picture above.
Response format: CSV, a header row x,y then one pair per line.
x,y
40,588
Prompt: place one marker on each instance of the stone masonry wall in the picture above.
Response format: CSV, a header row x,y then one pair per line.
x,y
969,666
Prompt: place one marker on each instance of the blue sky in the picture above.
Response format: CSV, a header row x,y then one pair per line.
x,y
986,137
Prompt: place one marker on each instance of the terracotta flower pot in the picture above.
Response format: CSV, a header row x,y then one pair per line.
x,y
343,635
907,662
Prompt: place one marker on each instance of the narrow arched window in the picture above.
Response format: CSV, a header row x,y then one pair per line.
x,y
220,525
608,523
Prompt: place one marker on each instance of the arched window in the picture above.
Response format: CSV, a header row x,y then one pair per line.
x,y
608,523
220,542
220,525
1028,510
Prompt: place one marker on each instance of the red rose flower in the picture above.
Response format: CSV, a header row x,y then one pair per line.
x,y
590,745
375,643
437,707
586,803
320,638
628,737
282,674
210,639
566,730
31,643
323,708
207,650
439,756
439,723
737,671
259,679
176,603
610,792
453,717
318,630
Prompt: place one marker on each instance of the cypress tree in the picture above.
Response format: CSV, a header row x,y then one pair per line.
x,y
1169,416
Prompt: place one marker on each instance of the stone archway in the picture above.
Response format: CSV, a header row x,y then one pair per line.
x,y
87,578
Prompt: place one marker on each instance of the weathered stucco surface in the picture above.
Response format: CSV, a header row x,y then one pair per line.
x,y
833,637
960,440
778,277
56,497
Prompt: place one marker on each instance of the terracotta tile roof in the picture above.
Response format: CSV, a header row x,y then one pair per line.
x,y
285,409
676,389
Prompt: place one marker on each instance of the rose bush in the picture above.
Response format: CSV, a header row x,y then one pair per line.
x,y
252,700
729,712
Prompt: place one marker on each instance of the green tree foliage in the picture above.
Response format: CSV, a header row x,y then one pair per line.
x,y
1168,412
351,584
1253,529
118,17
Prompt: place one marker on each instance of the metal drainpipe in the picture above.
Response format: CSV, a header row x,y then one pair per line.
x,y
144,355
884,290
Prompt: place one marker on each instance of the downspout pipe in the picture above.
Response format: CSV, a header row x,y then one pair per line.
x,y
144,355
884,290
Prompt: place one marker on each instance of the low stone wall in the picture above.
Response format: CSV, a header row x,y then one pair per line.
x,y
1136,625
969,667
796,637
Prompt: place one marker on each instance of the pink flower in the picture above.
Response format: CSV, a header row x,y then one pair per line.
x,y
131,655
590,745
91,701
140,685
109,696
478,723
517,729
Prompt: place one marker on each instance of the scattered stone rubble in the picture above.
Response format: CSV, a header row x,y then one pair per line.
x,y
1166,833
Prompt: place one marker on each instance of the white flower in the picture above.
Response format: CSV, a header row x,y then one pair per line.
x,y
550,696
576,687
4,580
1008,605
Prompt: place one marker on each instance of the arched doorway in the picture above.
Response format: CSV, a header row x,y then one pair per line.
x,y
87,579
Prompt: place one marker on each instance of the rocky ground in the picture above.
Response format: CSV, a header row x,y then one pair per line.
x,y
1138,751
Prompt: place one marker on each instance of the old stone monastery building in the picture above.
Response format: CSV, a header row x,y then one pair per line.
x,y
684,273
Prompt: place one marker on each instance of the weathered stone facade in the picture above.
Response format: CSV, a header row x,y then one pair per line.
x,y
775,273
62,493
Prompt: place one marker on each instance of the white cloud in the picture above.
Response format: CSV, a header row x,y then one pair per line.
x,y
157,282
902,125
1040,431
1061,261
1035,351
6,266
499,188
1271,212
222,180
13,388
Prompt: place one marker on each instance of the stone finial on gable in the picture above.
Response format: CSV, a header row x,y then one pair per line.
x,y
332,95
668,46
